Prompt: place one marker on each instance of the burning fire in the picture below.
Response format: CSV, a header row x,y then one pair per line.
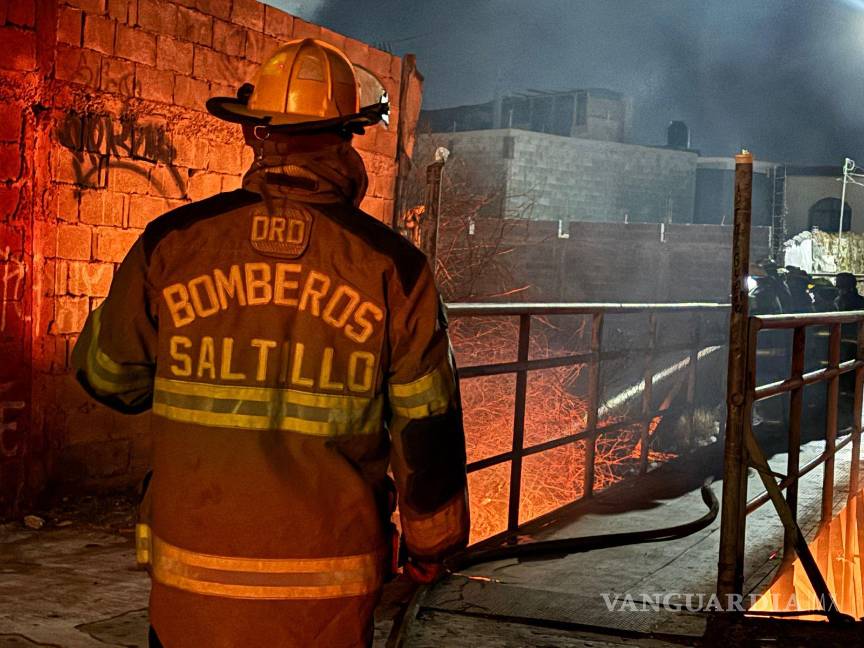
x,y
554,409
836,549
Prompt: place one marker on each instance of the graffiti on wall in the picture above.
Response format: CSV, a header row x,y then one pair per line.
x,y
98,141
12,273
8,448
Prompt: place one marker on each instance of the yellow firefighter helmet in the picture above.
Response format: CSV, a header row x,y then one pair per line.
x,y
307,85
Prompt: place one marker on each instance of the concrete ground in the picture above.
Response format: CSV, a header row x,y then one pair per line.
x,y
73,582
564,600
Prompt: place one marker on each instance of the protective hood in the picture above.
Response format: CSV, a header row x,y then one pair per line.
x,y
332,173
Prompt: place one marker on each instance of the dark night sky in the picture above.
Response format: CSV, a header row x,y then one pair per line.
x,y
784,78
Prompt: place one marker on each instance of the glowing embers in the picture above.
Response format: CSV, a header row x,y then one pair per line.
x,y
837,550
556,407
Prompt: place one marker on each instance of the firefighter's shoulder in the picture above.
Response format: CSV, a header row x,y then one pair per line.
x,y
407,260
187,215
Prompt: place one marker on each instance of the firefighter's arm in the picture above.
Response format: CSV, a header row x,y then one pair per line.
x,y
428,456
114,358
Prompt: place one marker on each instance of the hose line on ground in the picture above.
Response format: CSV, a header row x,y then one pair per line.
x,y
550,550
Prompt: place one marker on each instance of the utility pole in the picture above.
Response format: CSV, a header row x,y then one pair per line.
x,y
848,167
434,173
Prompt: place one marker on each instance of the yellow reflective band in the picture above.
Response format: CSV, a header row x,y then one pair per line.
x,y
142,544
420,411
425,383
107,376
262,394
266,408
426,396
263,578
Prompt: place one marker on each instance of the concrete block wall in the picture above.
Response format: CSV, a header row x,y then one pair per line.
x,y
103,127
603,262
19,157
573,179
585,180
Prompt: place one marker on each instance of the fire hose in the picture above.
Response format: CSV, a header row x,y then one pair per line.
x,y
551,550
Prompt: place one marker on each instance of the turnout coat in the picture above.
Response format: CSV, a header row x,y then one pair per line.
x,y
291,348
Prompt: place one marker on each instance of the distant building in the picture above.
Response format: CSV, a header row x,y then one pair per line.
x,y
595,113
567,156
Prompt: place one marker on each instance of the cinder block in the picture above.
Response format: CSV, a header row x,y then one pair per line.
x,y
173,54
95,7
70,22
70,313
100,207
136,45
10,198
248,13
10,122
99,34
84,278
118,76
167,182
332,37
204,185
304,29
190,152
231,182
21,13
159,16
10,162
220,68
143,209
129,177
154,84
357,51
191,93
125,11
226,158
73,242
228,39
378,62
67,203
113,244
277,23
260,46
194,26
218,8
19,49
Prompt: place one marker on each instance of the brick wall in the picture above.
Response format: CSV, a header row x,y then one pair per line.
x,y
103,128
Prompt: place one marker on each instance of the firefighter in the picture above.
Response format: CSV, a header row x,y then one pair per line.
x,y
848,298
291,348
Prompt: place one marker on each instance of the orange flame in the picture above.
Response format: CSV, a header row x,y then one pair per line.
x,y
837,550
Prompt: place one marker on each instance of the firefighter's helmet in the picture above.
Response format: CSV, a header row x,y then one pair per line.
x,y
307,85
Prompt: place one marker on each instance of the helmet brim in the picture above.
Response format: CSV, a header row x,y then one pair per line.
x,y
236,110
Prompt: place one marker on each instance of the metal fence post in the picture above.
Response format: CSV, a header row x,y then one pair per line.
x,y
593,403
519,424
856,415
647,395
831,424
796,403
730,569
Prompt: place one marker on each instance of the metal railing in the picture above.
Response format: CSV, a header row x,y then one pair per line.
x,y
741,448
594,359
745,392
